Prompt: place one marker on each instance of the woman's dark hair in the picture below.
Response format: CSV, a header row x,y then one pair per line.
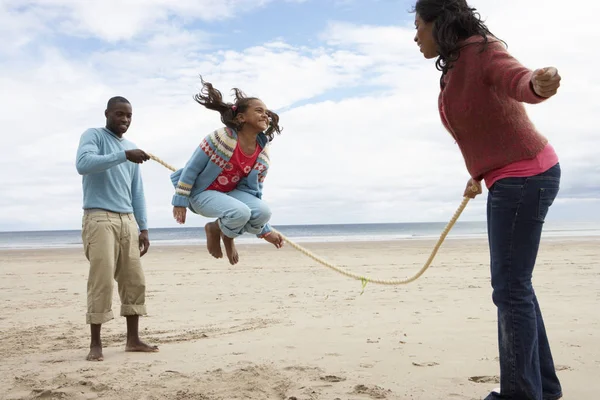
x,y
453,22
212,99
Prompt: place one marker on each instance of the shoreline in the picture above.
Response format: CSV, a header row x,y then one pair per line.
x,y
305,241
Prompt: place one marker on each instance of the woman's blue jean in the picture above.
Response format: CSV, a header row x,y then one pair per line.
x,y
237,212
516,210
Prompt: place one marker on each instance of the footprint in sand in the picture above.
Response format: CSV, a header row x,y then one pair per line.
x,y
332,378
100,387
47,394
172,373
426,364
372,391
563,368
485,379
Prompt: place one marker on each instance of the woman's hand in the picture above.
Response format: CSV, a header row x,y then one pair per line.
x,y
545,81
179,214
473,189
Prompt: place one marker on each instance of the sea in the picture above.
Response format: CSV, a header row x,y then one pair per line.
x,y
301,234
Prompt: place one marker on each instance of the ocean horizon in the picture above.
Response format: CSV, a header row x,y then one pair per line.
x,y
298,233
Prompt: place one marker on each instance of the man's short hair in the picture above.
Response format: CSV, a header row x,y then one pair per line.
x,y
113,101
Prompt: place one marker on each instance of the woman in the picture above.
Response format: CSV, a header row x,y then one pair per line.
x,y
224,177
481,101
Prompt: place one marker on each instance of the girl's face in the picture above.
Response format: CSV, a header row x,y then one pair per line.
x,y
424,38
255,116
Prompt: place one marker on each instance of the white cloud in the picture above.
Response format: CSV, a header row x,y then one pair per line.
x,y
115,20
344,155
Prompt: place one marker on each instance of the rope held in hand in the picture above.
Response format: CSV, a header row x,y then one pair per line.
x,y
364,279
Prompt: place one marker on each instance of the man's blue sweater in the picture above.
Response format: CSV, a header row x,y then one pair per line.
x,y
110,181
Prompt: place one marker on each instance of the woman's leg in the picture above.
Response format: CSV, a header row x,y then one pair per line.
x,y
517,208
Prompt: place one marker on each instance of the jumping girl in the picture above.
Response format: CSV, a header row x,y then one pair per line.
x,y
224,177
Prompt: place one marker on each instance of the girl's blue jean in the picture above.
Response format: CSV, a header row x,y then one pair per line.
x,y
237,212
516,210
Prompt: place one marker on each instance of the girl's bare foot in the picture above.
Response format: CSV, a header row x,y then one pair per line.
x,y
230,249
213,239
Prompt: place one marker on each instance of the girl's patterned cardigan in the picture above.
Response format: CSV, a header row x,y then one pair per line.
x,y
208,161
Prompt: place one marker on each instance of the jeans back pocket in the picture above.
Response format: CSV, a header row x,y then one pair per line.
x,y
545,200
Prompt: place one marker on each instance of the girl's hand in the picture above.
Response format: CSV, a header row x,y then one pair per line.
x,y
473,189
179,214
545,81
275,238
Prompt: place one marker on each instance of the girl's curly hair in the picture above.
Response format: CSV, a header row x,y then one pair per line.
x,y
212,99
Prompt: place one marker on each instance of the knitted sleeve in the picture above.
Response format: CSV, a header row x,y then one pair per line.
x,y
508,75
189,173
89,161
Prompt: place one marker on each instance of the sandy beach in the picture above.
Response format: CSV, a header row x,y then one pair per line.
x,y
280,326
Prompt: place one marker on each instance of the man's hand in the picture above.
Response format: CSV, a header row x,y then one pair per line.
x,y
136,156
179,214
473,188
545,81
275,238
144,243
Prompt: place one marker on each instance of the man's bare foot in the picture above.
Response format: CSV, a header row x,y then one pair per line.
x,y
95,353
230,249
139,346
213,239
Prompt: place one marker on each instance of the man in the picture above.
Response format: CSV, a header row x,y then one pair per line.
x,y
114,211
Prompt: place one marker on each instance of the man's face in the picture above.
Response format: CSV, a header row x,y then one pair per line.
x,y
118,118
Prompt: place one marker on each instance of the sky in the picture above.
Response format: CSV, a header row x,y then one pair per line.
x,y
362,141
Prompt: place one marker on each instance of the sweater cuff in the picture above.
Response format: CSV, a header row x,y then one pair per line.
x,y
180,201
122,156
